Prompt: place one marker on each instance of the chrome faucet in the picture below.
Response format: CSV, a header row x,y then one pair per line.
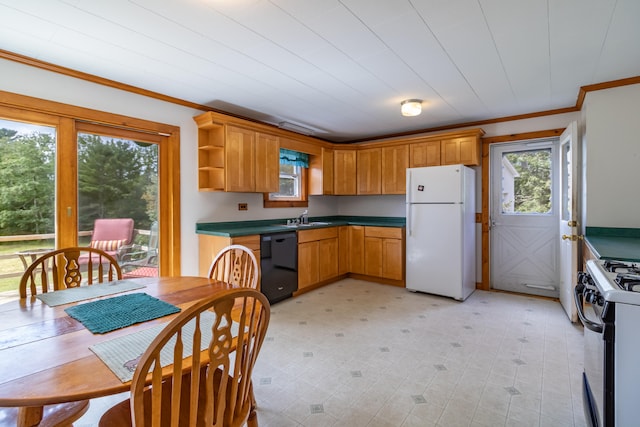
x,y
304,218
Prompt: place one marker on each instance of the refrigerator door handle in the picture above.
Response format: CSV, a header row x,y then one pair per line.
x,y
408,219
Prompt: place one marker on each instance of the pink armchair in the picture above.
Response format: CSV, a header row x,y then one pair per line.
x,y
111,234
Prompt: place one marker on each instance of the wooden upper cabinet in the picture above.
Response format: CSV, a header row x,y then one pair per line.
x,y
321,173
267,163
327,171
243,156
344,172
460,151
240,159
424,154
369,170
395,161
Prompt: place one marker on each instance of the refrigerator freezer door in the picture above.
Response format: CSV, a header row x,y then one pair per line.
x,y
435,184
434,249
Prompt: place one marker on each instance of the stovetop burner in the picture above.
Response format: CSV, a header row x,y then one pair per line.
x,y
628,282
621,286
621,267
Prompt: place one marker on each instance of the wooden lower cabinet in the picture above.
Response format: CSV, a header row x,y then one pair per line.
x,y
373,256
384,252
317,256
328,258
356,249
343,249
308,264
209,247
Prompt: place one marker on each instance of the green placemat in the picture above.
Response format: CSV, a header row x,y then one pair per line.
x,y
97,290
122,354
109,314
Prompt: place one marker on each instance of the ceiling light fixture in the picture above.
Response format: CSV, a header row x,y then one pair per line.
x,y
296,128
411,107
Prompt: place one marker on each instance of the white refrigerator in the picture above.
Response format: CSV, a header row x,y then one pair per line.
x,y
440,231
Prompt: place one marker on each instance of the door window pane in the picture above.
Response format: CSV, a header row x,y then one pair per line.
x,y
118,179
567,191
526,182
27,197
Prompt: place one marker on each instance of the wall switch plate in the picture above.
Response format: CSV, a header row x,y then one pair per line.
x,y
242,207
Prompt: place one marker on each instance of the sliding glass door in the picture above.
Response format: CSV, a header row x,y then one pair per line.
x,y
27,196
65,167
118,185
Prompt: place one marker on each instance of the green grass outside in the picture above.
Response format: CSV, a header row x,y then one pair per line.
x,y
14,265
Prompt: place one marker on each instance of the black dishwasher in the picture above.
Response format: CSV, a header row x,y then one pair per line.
x,y
279,265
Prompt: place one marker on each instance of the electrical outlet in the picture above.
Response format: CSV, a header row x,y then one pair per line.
x,y
242,207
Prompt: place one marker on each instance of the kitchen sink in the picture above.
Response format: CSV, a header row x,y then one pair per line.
x,y
311,224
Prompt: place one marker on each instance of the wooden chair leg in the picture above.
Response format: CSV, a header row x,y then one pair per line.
x,y
252,421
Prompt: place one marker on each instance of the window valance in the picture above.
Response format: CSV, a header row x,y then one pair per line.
x,y
290,157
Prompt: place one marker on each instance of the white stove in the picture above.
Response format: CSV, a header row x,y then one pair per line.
x,y
617,281
608,301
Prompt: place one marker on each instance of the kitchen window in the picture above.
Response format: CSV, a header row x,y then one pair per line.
x,y
293,181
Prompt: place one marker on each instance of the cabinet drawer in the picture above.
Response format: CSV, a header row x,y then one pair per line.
x,y
384,232
252,242
317,234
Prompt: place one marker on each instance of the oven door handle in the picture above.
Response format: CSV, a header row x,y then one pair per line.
x,y
578,293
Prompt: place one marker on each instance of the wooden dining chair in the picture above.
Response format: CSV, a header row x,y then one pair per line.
x,y
68,268
210,388
237,265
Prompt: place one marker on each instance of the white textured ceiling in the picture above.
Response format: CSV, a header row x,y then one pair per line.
x,y
340,67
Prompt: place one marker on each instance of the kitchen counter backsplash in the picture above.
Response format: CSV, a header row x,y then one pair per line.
x,y
621,244
246,228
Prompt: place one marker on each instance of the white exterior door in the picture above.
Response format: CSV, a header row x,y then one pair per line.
x,y
568,218
524,217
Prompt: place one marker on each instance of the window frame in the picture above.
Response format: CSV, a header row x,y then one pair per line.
x,y
300,202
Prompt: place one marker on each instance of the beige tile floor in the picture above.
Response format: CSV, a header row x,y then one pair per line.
x,y
356,353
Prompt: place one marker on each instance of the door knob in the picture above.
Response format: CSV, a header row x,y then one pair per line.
x,y
572,237
572,223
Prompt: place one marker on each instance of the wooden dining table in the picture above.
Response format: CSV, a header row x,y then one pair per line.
x,y
44,353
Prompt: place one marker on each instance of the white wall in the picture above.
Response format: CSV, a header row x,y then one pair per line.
x,y
613,157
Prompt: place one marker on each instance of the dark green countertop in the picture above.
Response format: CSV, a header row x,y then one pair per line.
x,y
247,228
614,243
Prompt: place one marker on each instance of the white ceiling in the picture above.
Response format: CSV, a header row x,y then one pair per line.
x,y
340,67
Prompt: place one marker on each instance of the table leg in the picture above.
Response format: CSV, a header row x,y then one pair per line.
x,y
29,416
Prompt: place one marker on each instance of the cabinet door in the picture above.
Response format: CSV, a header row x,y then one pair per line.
x,y
344,172
424,154
328,258
461,151
392,259
373,256
395,161
343,250
267,164
356,247
469,151
327,171
450,152
239,160
369,166
308,270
